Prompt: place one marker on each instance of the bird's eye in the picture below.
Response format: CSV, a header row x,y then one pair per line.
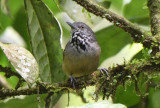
x,y
82,27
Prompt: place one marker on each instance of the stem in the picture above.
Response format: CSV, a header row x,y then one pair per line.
x,y
9,72
154,8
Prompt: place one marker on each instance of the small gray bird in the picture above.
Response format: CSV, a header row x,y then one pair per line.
x,y
82,52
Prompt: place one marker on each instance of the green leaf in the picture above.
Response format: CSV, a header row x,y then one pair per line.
x,y
6,20
137,11
111,40
143,83
23,102
116,5
23,61
126,95
4,61
106,4
154,97
45,35
19,24
124,55
53,5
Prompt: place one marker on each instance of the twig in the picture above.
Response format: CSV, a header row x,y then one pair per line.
x,y
48,100
9,72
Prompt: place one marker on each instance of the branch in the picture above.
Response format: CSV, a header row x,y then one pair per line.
x,y
9,72
106,84
136,32
5,93
43,87
154,8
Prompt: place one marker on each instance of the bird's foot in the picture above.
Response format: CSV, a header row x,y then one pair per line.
x,y
103,71
73,80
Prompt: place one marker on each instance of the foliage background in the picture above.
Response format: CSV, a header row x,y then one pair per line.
x,y
113,42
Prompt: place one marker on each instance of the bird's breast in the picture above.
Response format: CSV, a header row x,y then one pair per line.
x,y
79,62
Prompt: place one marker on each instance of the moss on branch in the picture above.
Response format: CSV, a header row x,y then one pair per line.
x,y
106,84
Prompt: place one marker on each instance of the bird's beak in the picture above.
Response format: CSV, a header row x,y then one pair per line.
x,y
71,25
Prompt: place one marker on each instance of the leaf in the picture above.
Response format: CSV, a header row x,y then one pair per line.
x,y
45,34
125,55
6,20
3,59
126,95
141,16
102,104
116,5
23,102
22,60
154,99
106,4
111,40
19,24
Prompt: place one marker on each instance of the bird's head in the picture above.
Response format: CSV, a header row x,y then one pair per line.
x,y
82,28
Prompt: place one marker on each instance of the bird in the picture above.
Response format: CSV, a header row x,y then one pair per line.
x,y
82,53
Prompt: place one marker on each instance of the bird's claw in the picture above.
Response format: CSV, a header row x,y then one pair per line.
x,y
73,80
103,71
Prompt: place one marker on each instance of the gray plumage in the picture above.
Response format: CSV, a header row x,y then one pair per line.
x,y
81,54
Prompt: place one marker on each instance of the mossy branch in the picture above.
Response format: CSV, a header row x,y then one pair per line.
x,y
106,84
